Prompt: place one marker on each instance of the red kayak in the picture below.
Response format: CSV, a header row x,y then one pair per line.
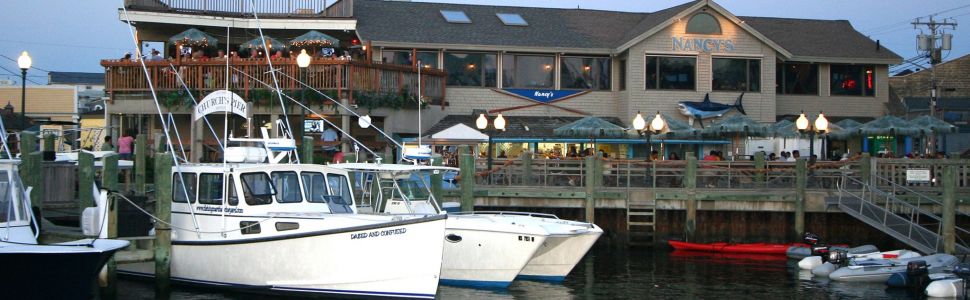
x,y
758,248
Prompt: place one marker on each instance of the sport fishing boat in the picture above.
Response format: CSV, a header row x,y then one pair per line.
x,y
52,271
480,250
754,248
292,228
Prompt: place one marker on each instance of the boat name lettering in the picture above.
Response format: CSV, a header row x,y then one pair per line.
x,y
378,233
229,210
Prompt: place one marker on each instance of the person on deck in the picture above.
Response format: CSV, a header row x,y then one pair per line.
x,y
107,146
125,146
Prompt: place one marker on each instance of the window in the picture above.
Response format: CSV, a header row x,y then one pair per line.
x,y
512,19
210,188
178,193
797,79
339,187
853,80
287,187
671,72
315,187
428,59
257,188
703,23
588,73
455,16
233,199
6,201
735,74
528,71
622,74
396,57
471,69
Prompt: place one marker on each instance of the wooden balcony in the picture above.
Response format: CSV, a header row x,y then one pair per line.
x,y
342,78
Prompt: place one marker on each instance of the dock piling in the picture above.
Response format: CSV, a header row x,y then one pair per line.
x,y
85,179
436,181
690,184
467,173
306,150
141,164
589,168
109,180
759,166
801,181
865,166
527,168
949,208
163,233
49,141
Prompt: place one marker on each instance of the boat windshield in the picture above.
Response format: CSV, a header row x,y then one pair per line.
x,y
258,188
10,209
315,187
415,187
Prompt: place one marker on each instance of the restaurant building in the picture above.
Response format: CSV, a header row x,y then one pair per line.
x,y
530,63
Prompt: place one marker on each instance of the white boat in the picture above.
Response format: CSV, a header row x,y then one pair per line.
x,y
560,244
880,270
55,271
481,250
825,268
293,228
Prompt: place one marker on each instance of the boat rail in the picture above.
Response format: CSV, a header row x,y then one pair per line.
x,y
514,213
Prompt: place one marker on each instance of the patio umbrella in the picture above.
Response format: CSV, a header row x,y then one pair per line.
x,y
591,127
315,38
737,124
193,37
847,128
932,124
257,43
890,125
679,129
784,129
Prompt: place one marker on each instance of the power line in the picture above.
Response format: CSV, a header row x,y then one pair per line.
x,y
885,27
32,66
61,45
14,73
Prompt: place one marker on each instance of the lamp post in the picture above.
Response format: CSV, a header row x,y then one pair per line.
x,y
482,124
821,125
23,62
303,61
657,125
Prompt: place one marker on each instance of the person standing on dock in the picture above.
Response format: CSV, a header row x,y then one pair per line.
x,y
107,146
124,146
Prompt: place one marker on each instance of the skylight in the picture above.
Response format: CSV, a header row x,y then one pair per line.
x,y
455,16
512,19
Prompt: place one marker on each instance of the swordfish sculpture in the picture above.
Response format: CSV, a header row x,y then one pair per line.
x,y
707,109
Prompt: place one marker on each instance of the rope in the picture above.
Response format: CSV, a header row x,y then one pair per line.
x,y
196,230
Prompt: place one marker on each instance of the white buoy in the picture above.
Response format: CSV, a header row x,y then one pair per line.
x,y
810,262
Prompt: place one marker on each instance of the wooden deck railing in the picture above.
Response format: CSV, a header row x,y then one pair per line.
x,y
267,8
343,77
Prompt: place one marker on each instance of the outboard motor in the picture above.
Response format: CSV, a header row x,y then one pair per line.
x,y
810,238
918,275
839,258
962,270
821,251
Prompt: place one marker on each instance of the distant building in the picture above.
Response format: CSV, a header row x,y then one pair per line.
x,y
912,98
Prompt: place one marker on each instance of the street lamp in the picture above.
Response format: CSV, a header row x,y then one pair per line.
x,y
303,61
24,62
821,125
657,125
482,124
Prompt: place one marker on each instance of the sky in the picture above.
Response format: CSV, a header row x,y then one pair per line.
x,y
73,36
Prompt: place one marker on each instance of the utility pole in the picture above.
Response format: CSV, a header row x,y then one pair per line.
x,y
927,43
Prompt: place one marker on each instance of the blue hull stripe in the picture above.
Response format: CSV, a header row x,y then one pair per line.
x,y
475,283
307,290
542,278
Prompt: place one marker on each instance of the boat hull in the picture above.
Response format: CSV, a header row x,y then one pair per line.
x,y
759,248
480,251
558,255
356,261
54,272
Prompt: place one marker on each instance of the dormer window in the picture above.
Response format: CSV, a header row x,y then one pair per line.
x,y
703,23
455,16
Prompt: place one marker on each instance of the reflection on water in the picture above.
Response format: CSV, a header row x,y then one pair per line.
x,y
608,273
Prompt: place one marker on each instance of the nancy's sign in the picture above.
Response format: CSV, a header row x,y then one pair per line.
x,y
544,96
221,101
683,43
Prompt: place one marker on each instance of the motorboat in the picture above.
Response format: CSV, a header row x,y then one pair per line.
x,y
257,224
480,250
47,271
752,248
950,284
800,253
826,266
879,270
819,254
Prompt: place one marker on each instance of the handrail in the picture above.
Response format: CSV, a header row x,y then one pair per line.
x,y
267,8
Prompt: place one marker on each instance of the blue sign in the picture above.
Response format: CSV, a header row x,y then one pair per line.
x,y
544,96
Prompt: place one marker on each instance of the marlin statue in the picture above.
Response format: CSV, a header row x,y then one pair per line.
x,y
707,109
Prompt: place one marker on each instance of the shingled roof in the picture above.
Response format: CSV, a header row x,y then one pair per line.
x,y
588,30
517,126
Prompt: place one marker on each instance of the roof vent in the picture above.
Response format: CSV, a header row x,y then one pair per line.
x,y
455,16
512,19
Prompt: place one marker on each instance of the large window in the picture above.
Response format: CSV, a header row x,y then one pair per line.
x,y
210,188
257,188
736,74
339,187
396,57
315,187
528,71
428,59
178,192
853,80
797,79
471,69
287,187
671,72
588,73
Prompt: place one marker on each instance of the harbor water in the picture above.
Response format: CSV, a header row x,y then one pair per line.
x,y
638,273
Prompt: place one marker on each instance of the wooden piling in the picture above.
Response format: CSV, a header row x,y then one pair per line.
x,y
163,233
85,179
801,181
690,184
49,142
759,166
32,173
141,164
949,208
589,168
467,173
109,180
436,179
865,168
28,142
527,177
306,150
